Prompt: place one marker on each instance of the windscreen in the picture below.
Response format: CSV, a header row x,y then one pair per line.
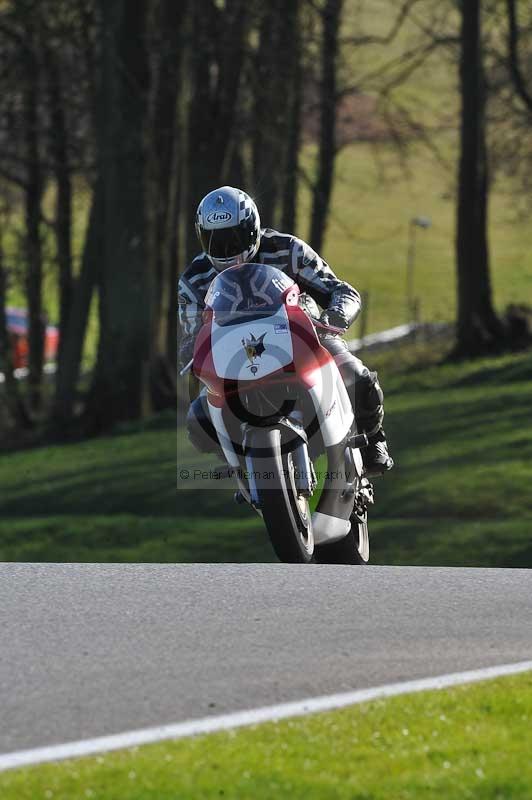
x,y
249,290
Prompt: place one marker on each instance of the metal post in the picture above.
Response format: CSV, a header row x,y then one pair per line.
x,y
364,314
415,222
411,260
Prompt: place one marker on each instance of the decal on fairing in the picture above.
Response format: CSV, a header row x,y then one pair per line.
x,y
254,349
232,346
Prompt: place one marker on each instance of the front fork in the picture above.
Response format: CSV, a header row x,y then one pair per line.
x,y
304,475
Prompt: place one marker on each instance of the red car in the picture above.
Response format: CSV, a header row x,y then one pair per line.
x,y
17,327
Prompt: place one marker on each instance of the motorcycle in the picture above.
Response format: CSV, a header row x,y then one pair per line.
x,y
282,417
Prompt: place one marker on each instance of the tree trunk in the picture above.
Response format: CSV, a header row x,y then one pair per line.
x,y
14,402
513,56
227,134
172,233
220,38
69,364
269,116
201,117
63,220
331,13
294,107
163,188
479,330
32,201
120,384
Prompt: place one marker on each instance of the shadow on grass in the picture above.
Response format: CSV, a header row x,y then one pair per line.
x,y
516,370
467,458
452,542
129,538
459,494
115,499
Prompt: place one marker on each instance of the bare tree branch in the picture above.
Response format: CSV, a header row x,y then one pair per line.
x,y
410,60
435,27
392,110
402,15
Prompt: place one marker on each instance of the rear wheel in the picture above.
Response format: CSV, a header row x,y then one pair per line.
x,y
285,512
352,549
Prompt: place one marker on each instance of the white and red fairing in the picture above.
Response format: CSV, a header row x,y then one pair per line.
x,y
292,354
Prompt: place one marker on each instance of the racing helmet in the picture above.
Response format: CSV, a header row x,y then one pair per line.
x,y
228,227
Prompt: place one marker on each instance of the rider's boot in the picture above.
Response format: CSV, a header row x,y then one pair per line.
x,y
375,456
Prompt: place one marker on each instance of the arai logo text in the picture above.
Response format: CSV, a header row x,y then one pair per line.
x,y
216,217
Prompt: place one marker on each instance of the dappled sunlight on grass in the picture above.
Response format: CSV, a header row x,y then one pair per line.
x,y
114,499
466,742
460,493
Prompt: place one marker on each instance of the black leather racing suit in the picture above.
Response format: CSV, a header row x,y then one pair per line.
x,y
314,277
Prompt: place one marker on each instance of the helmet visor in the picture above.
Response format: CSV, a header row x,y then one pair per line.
x,y
227,242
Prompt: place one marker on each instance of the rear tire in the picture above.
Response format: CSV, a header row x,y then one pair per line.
x,y
285,513
352,549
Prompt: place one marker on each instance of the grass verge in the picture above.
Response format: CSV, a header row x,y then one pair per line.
x,y
459,494
114,499
461,436
466,743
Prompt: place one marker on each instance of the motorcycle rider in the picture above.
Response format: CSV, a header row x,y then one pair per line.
x,y
229,231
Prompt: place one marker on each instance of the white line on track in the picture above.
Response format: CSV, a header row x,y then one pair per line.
x,y
254,716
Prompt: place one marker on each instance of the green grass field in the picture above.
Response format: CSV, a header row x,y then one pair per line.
x,y
467,743
459,495
380,187
367,236
114,499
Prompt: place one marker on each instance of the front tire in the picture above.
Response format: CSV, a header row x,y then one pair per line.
x,y
286,513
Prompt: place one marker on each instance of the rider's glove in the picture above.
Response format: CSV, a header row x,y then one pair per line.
x,y
309,305
334,317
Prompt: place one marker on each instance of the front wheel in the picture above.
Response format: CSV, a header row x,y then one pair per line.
x,y
286,513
